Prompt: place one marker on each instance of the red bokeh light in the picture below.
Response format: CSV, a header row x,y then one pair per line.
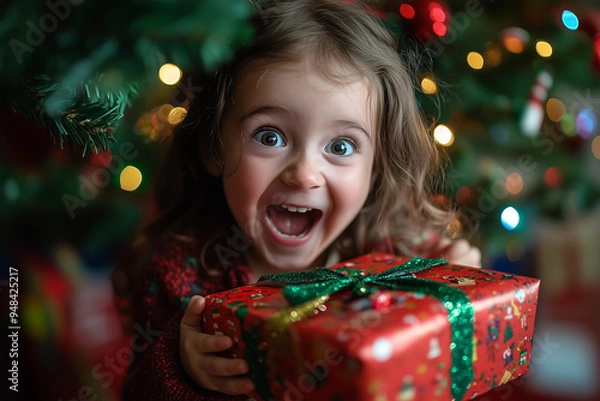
x,y
407,11
439,28
553,177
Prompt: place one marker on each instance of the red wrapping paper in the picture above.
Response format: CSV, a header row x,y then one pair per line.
x,y
392,345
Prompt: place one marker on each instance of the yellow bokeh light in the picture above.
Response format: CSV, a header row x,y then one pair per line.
x,y
555,109
176,115
543,48
130,178
428,86
475,60
596,147
514,183
170,74
443,135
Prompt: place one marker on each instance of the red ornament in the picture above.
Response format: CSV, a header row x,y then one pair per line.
x,y
382,300
428,19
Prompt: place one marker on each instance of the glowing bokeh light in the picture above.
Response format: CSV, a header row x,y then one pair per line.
x,y
585,123
176,115
514,45
443,135
567,124
510,218
555,109
437,14
514,183
515,39
596,147
439,28
543,48
169,74
475,60
130,178
553,177
428,86
407,11
570,20
464,195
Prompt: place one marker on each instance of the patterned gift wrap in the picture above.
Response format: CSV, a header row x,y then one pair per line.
x,y
379,327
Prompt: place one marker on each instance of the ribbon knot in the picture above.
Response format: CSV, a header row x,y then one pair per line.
x,y
304,286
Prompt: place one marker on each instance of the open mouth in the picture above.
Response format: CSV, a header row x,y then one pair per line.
x,y
292,221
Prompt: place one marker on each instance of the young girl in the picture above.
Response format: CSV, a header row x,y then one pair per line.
x,y
306,150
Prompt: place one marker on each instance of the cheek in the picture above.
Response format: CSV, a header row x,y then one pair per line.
x,y
244,186
352,191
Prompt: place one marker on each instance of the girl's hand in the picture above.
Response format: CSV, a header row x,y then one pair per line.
x,y
197,351
458,252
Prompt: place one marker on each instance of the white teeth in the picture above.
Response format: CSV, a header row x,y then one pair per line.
x,y
295,209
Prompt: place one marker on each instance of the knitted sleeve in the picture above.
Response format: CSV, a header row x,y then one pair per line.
x,y
165,287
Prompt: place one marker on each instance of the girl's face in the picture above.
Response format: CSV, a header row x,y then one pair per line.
x,y
299,154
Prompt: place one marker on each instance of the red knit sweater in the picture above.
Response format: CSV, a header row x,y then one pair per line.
x,y
163,291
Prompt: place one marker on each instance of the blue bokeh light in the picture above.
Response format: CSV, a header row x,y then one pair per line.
x,y
570,20
586,123
510,218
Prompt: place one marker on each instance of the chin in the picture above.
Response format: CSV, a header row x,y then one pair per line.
x,y
292,263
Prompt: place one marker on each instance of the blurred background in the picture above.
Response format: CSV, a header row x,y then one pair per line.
x,y
511,90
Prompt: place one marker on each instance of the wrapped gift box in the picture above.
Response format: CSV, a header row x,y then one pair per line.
x,y
379,327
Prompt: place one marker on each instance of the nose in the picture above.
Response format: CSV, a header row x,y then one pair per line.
x,y
303,174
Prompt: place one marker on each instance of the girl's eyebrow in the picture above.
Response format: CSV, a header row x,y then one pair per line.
x,y
265,110
350,124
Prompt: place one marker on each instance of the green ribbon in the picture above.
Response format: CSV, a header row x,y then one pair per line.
x,y
304,286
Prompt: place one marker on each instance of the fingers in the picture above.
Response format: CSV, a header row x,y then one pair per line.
x,y
218,366
193,311
230,385
208,343
462,253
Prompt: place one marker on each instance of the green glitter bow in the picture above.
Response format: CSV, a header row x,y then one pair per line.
x,y
322,281
304,286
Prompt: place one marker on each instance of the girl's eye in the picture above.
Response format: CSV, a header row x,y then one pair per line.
x,y
341,147
269,137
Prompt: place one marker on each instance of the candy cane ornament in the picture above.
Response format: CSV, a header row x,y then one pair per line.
x,y
533,115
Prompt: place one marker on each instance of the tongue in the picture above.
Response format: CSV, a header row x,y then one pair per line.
x,y
290,223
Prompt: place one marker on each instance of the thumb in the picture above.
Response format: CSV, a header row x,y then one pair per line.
x,y
194,309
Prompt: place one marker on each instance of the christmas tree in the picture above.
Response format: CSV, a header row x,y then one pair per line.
x,y
511,91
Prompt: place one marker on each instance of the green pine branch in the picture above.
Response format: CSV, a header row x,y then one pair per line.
x,y
84,115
